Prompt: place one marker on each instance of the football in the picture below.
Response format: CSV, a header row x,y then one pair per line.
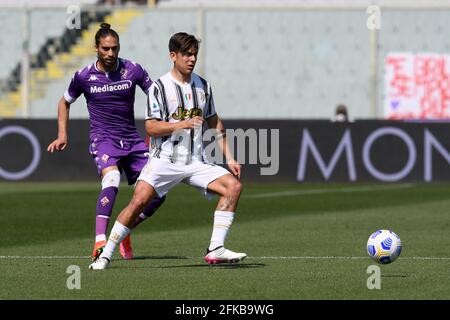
x,y
384,246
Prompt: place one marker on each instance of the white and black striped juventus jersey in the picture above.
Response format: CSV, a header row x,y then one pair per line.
x,y
172,101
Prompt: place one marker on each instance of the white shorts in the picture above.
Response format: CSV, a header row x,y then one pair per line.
x,y
163,175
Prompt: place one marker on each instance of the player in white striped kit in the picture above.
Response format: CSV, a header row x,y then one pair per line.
x,y
180,103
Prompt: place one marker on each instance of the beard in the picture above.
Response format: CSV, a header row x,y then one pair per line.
x,y
107,63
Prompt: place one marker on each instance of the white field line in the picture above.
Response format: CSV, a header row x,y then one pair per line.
x,y
322,191
44,257
344,258
255,258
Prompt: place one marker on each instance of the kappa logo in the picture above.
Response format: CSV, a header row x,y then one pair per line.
x,y
105,158
104,201
92,77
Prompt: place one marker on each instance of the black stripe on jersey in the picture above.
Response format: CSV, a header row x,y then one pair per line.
x,y
210,103
180,96
155,93
195,100
164,98
194,96
204,83
181,105
157,152
149,115
207,104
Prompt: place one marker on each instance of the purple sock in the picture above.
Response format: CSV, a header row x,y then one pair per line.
x,y
105,204
149,210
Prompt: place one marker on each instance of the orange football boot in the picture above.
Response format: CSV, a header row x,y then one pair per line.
x,y
125,248
98,249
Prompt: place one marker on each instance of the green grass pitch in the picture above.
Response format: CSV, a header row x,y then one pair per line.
x,y
304,241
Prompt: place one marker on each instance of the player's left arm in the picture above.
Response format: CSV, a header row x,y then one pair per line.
x,y
214,122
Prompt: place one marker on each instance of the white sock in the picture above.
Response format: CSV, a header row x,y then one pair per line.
x,y
118,233
100,237
222,223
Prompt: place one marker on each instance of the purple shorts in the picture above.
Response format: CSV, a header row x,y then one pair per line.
x,y
128,155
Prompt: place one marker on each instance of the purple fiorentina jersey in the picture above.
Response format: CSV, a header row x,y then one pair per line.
x,y
110,97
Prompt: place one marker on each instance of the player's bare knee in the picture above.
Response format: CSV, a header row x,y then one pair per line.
x,y
235,188
138,203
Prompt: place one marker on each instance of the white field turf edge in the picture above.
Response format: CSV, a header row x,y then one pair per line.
x,y
331,190
250,257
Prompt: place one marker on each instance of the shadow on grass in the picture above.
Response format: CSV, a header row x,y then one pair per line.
x,y
203,265
219,266
160,258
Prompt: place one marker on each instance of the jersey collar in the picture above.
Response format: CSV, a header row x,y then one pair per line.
x,y
182,83
115,69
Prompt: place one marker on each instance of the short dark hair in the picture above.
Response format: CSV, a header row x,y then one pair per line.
x,y
341,109
104,31
183,42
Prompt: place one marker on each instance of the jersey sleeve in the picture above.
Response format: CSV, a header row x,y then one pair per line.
x,y
143,79
75,88
210,108
154,105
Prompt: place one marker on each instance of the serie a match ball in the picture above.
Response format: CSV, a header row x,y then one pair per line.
x,y
384,246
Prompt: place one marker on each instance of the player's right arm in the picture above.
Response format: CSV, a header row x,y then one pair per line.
x,y
157,128
60,143
72,93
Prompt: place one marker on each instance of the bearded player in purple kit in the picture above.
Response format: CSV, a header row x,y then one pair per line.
x,y
109,87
